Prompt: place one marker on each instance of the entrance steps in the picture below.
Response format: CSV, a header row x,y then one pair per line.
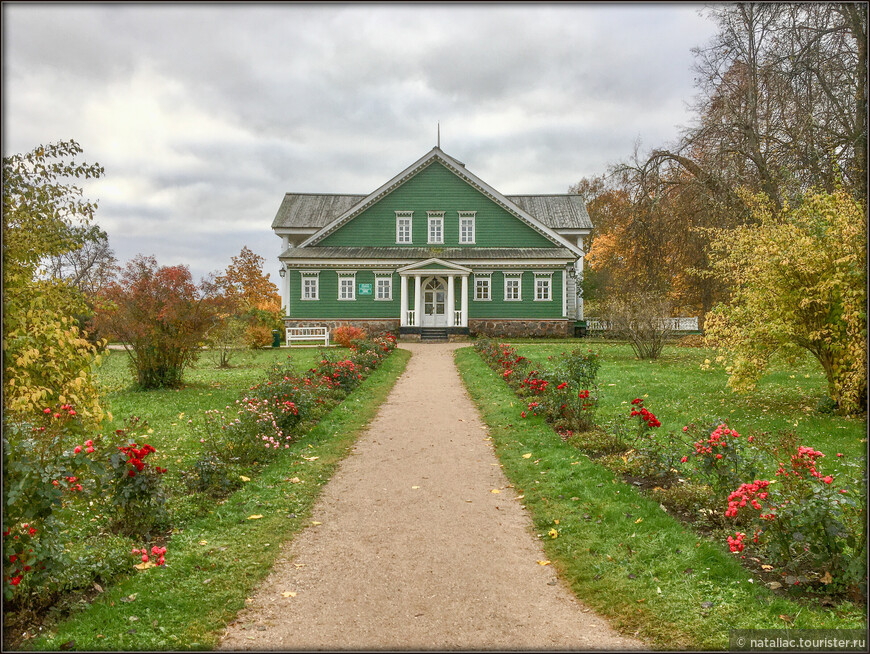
x,y
433,334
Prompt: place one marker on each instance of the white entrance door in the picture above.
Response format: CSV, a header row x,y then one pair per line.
x,y
434,303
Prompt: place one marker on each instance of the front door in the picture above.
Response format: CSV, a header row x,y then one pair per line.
x,y
434,303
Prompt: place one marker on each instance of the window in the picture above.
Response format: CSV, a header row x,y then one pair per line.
x,y
481,286
466,226
513,287
383,286
403,226
310,285
346,286
543,284
436,226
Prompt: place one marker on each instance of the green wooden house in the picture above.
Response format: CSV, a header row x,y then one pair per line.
x,y
434,248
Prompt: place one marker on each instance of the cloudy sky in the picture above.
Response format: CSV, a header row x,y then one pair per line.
x,y
205,115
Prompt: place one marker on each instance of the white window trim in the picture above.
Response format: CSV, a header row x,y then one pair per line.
x,y
487,276
518,276
431,216
309,274
409,216
388,277
352,277
468,215
549,277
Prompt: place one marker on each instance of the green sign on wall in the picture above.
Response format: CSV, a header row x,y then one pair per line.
x,y
365,289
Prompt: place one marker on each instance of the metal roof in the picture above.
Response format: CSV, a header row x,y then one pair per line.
x,y
413,253
316,210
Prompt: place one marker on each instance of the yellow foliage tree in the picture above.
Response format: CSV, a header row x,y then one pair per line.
x,y
47,360
256,298
799,281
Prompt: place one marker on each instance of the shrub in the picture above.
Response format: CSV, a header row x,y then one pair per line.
x,y
136,489
346,334
723,458
210,475
803,520
639,319
42,465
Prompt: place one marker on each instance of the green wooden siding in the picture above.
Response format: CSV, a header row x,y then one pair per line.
x,y
527,308
366,306
329,306
436,188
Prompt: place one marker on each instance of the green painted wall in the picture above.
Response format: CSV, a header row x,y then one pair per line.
x,y
436,188
329,306
527,308
365,306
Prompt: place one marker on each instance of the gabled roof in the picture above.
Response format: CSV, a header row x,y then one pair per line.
x,y
433,264
458,168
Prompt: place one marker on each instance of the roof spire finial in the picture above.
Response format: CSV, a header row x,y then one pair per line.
x,y
439,134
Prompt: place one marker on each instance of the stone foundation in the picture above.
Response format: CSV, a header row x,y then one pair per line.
x,y
373,326
521,328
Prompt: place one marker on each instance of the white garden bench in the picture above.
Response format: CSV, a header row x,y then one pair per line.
x,y
307,334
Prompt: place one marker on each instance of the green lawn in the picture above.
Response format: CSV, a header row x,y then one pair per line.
x,y
679,392
617,549
217,555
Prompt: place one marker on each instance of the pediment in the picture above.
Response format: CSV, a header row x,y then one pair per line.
x,y
434,264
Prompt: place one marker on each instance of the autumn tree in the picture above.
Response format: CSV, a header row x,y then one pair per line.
x,y
161,316
47,358
255,297
799,283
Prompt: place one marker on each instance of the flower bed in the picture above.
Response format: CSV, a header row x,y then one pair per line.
x,y
801,528
56,478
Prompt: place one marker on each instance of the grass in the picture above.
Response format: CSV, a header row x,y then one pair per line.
x,y
618,550
216,560
679,392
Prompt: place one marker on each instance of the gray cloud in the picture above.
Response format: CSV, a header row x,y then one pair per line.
x,y
204,115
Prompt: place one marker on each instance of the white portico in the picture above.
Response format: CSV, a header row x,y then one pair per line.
x,y
436,283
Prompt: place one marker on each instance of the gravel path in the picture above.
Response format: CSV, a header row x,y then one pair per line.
x,y
413,550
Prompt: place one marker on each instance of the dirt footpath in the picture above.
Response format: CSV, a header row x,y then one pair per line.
x,y
413,550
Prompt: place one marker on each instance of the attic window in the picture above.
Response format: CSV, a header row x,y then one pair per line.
x,y
403,226
436,226
466,226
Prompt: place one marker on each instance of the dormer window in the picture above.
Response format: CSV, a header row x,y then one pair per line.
x,y
436,226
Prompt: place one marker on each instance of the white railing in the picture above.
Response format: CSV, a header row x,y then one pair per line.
x,y
457,318
307,334
688,324
412,318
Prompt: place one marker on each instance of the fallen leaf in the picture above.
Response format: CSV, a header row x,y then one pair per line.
x,y
527,456
556,522
519,497
97,587
129,598
638,520
295,480
203,542
641,600
254,517
495,490
786,618
299,565
767,567
414,487
288,593
311,458
144,566
826,578
545,562
243,478
773,585
315,523
553,533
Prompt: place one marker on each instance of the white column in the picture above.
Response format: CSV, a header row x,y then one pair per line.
x,y
418,301
451,302
579,267
403,306
564,293
463,301
285,292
